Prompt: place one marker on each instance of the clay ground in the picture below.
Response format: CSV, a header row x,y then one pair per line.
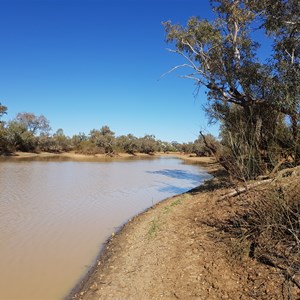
x,y
173,252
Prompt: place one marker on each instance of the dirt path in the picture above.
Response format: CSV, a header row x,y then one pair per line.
x,y
171,252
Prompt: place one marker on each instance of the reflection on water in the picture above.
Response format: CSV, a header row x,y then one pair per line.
x,y
54,215
178,174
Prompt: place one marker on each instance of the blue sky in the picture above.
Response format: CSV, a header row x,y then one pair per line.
x,y
84,64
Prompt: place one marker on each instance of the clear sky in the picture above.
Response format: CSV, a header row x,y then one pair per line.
x,y
84,64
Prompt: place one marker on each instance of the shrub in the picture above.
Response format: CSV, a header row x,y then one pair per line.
x,y
271,227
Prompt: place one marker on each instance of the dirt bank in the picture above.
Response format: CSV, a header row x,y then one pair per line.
x,y
76,156
172,251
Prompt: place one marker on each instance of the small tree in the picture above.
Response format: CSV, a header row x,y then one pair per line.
x,y
20,138
127,143
4,145
23,132
147,144
77,139
61,142
103,139
32,123
206,145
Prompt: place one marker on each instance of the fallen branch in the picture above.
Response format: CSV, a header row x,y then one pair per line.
x,y
239,190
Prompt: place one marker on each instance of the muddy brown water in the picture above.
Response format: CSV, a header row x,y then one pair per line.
x,y
55,215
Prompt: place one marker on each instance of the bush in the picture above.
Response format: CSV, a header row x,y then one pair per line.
x,y
89,148
270,227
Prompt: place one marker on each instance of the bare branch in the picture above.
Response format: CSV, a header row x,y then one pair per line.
x,y
191,65
175,68
190,46
199,81
292,56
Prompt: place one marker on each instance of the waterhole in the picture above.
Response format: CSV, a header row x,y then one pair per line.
x,y
55,215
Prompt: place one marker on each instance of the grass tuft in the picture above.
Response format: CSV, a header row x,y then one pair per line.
x,y
154,228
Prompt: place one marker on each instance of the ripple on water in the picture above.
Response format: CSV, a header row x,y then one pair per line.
x,y
55,215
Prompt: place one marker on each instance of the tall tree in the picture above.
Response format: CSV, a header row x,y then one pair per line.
x,y
4,147
3,110
222,57
32,123
281,19
103,138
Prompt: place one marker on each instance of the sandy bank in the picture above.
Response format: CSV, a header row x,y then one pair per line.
x,y
172,251
75,156
206,162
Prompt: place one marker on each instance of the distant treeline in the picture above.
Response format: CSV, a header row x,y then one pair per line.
x,y
30,133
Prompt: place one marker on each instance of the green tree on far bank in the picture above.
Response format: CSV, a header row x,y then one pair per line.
x,y
4,147
24,131
30,133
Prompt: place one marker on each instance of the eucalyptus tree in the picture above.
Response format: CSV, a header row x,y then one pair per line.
x,y
24,131
249,97
281,19
32,123
148,144
77,139
127,143
61,142
103,139
3,110
4,147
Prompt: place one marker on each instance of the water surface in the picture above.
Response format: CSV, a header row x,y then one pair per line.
x,y
55,215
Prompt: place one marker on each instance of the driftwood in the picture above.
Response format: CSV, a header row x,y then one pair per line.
x,y
239,190
283,173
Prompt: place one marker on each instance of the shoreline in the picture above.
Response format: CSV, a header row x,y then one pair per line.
x,y
185,246
207,163
179,249
104,255
72,155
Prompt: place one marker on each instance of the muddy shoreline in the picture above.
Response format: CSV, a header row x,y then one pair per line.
x,y
176,250
89,285
105,254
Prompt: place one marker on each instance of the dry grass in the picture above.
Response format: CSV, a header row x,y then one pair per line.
x,y
266,227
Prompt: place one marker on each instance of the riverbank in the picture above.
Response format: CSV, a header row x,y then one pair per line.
x,y
176,250
50,205
192,246
120,156
206,162
74,156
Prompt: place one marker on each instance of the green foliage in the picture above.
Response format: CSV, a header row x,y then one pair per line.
x,y
103,139
32,123
56,143
3,110
127,144
253,100
77,139
4,146
30,133
268,228
19,137
148,144
89,148
203,147
154,227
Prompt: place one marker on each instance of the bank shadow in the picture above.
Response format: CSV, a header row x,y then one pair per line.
x,y
168,188
194,179
181,174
